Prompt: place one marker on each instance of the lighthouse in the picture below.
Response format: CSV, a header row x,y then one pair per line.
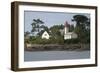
x,y
66,28
67,34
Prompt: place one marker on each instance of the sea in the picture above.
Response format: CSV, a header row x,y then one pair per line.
x,y
55,55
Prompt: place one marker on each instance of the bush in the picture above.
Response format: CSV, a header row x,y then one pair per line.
x,y
52,40
71,41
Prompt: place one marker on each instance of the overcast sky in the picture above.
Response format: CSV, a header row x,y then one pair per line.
x,y
49,18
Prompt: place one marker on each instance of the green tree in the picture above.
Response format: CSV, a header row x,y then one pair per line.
x,y
44,28
36,25
26,37
80,19
55,30
82,22
26,33
71,28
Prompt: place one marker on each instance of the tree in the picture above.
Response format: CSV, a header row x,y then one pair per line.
x,y
71,28
80,19
82,22
26,38
26,33
55,30
36,25
45,28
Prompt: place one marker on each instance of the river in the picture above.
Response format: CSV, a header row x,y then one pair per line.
x,y
55,55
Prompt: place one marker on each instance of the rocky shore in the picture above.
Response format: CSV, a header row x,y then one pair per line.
x,y
57,47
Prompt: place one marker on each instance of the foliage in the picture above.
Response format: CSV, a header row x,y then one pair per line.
x,y
80,19
71,28
45,28
39,40
36,25
55,30
82,29
82,22
26,33
71,41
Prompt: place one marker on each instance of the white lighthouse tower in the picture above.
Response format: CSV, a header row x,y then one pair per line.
x,y
67,34
66,29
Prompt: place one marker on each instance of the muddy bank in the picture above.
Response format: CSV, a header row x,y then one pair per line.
x,y
57,47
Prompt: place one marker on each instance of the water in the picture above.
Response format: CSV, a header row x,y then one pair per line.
x,y
55,55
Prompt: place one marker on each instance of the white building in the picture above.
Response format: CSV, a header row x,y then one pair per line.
x,y
70,35
45,35
67,34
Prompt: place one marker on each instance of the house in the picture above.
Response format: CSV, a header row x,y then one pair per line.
x,y
70,35
45,35
67,34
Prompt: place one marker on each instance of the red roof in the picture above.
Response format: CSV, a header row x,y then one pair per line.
x,y
66,24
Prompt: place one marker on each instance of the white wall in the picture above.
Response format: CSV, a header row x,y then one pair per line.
x,y
5,28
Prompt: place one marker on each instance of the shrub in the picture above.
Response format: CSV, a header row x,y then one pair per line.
x,y
71,41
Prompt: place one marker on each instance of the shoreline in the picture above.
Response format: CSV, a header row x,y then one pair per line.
x,y
57,47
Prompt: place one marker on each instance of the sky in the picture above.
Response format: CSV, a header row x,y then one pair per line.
x,y
49,18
